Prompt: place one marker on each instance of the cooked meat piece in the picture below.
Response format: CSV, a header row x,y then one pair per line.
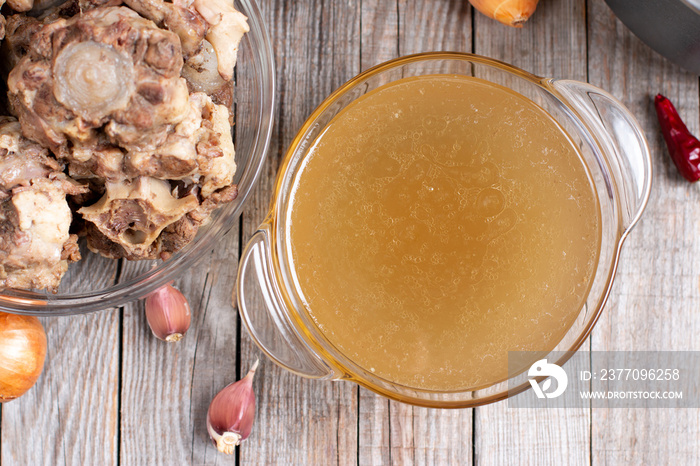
x,y
21,28
222,196
202,74
19,31
226,28
147,218
20,159
35,243
34,227
21,5
100,244
179,17
105,72
33,7
177,235
188,24
133,213
215,152
2,22
96,189
172,238
85,5
98,161
200,149
105,163
43,8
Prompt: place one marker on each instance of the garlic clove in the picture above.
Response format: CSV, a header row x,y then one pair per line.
x,y
509,12
168,313
231,413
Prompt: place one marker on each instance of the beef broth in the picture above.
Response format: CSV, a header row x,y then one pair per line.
x,y
438,223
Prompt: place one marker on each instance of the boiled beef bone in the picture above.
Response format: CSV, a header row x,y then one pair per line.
x,y
199,150
178,16
226,29
107,71
132,214
35,243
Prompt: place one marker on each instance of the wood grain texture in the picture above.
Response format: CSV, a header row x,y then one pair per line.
x,y
553,44
92,272
302,421
655,301
378,43
71,415
379,32
157,425
427,26
392,433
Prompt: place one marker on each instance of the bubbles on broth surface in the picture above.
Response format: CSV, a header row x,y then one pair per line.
x,y
449,221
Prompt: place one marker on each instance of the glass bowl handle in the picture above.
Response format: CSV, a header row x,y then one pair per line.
x,y
266,317
619,134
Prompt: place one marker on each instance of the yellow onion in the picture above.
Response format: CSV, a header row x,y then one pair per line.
x,y
22,353
509,12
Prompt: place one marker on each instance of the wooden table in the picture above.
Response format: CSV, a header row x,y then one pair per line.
x,y
111,393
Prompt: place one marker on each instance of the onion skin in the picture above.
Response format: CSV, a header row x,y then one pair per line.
x,y
22,354
509,12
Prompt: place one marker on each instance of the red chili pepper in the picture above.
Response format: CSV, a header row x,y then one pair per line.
x,y
683,146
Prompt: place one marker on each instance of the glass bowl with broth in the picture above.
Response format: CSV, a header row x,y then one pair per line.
x,y
435,213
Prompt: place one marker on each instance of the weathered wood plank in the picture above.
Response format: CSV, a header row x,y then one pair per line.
x,y
552,43
167,388
59,410
157,415
443,436
216,325
655,300
71,415
401,432
374,429
428,26
379,32
430,436
390,432
301,421
379,43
